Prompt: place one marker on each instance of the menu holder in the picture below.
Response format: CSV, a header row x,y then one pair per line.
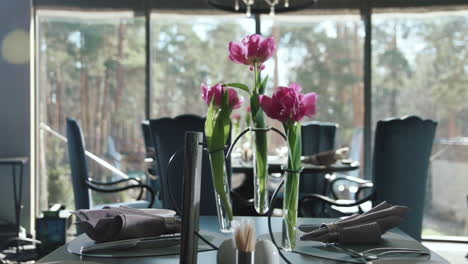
x,y
191,197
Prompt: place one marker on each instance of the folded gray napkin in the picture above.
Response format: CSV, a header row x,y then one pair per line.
x,y
359,228
118,223
326,158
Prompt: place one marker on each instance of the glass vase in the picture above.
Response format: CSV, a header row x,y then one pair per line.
x,y
290,203
221,191
291,188
260,170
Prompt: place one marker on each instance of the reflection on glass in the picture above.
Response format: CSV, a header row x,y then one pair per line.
x,y
90,67
188,50
420,68
324,55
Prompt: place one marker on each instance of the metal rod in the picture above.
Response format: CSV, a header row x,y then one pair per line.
x,y
90,155
258,25
366,14
191,197
148,75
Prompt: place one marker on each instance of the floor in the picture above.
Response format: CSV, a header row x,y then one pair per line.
x,y
453,252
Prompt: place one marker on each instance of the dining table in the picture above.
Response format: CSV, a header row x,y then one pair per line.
x,y
275,170
275,164
305,252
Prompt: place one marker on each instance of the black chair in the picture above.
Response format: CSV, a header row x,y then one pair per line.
x,y
150,161
83,184
402,150
168,138
316,137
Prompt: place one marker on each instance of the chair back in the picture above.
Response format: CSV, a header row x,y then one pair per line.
x,y
78,165
168,137
153,181
149,146
316,137
402,150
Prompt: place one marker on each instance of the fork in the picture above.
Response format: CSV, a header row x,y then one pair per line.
x,y
368,256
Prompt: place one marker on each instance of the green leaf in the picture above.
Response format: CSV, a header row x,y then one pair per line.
x,y
293,131
225,103
238,85
210,123
217,124
261,90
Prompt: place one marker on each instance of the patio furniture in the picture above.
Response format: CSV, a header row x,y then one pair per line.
x,y
83,184
402,149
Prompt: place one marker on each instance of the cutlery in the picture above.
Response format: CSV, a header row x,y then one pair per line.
x,y
149,242
377,253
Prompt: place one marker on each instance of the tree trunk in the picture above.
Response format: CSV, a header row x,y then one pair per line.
x,y
276,35
119,70
358,89
98,113
394,77
453,130
84,99
58,99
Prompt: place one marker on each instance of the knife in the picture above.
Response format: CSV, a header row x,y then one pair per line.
x,y
148,242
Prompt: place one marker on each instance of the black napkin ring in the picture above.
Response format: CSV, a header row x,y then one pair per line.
x,y
286,169
333,233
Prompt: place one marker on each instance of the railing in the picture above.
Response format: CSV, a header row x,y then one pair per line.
x,y
90,155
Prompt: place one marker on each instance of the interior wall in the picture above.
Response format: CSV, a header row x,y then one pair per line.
x,y
14,101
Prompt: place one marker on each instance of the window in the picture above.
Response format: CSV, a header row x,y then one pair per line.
x,y
188,50
420,68
91,68
324,55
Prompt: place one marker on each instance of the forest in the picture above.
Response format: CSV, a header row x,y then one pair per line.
x,y
93,69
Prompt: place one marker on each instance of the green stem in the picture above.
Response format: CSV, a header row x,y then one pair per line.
x,y
217,167
291,195
261,166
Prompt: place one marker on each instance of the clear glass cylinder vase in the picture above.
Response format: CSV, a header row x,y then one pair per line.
x,y
260,170
221,191
291,187
290,204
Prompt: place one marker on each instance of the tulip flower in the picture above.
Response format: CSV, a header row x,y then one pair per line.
x,y
289,104
221,100
216,91
236,117
253,50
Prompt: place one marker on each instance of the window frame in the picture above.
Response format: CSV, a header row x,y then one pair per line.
x,y
146,7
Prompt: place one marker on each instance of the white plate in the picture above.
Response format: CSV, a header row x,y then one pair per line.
x,y
161,212
406,261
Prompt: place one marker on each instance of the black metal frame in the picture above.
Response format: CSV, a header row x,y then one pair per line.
x,y
238,198
363,185
96,186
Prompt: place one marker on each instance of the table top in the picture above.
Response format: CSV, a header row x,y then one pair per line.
x,y
210,223
275,163
13,160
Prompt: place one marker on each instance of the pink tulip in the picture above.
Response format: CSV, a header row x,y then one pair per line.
x,y
289,104
253,49
236,116
235,101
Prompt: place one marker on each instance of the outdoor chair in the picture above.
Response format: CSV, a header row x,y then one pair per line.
x,y
82,182
402,150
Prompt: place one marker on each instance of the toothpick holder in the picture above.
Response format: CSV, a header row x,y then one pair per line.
x,y
245,257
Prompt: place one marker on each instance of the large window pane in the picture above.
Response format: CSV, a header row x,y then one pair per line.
x,y
324,55
90,67
420,68
188,50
